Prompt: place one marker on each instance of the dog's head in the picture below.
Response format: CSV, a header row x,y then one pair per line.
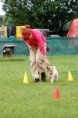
x,y
50,69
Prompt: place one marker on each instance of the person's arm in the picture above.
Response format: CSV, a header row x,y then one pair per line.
x,y
45,59
40,41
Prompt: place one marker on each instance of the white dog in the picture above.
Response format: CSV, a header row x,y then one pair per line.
x,y
52,73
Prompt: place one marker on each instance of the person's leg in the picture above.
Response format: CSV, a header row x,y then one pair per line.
x,y
41,64
39,60
33,64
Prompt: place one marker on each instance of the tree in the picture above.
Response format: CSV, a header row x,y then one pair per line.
x,y
1,20
52,14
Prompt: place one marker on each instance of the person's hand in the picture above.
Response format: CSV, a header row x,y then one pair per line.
x,y
47,62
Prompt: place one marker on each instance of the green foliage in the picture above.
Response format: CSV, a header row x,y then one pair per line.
x,y
19,100
1,19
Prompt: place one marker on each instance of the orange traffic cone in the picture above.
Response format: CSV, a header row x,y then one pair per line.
x,y
56,94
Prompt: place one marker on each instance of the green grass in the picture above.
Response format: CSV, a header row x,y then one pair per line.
x,y
19,100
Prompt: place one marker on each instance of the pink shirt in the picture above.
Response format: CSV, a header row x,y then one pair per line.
x,y
37,40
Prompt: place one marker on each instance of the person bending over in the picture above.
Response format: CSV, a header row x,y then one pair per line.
x,y
36,42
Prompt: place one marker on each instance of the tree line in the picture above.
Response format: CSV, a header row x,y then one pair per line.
x,y
55,15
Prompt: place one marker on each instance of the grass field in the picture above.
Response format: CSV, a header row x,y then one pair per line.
x,y
34,100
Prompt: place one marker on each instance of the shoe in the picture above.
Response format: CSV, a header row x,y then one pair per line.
x,y
36,80
43,77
